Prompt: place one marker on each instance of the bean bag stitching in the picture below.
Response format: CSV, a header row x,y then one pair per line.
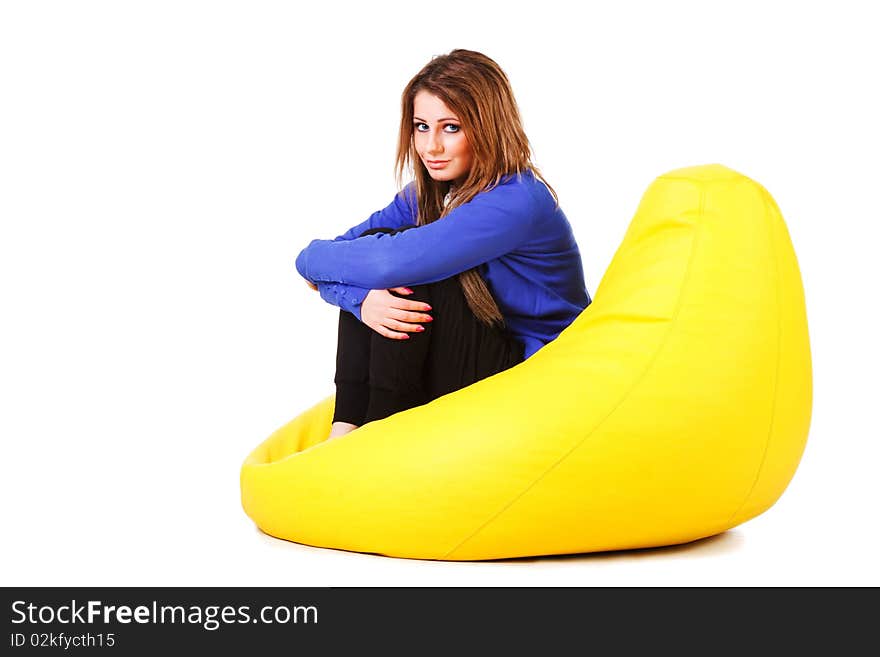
x,y
778,358
623,398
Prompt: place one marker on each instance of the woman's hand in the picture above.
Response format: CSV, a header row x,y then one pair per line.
x,y
388,315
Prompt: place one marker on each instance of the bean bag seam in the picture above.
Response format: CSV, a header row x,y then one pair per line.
x,y
623,398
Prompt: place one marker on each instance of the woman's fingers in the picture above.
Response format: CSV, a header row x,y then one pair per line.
x,y
394,317
408,304
409,320
388,333
404,326
409,315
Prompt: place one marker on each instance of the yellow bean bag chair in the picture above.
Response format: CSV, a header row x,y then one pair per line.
x,y
675,407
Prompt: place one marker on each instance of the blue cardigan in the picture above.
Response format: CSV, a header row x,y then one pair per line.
x,y
521,243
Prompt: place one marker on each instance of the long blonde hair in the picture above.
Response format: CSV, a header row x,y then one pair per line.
x,y
474,87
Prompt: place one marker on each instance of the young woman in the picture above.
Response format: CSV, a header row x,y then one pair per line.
x,y
470,270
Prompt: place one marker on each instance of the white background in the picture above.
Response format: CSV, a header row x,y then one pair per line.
x,y
163,163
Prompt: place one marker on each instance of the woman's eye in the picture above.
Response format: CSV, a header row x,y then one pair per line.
x,y
455,128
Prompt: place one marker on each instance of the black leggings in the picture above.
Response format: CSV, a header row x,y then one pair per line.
x,y
378,376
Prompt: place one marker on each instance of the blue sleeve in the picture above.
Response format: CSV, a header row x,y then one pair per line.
x,y
492,224
400,212
346,297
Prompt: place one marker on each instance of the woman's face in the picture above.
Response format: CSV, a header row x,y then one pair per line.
x,y
439,139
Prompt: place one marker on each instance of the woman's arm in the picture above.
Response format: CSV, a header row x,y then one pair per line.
x,y
492,224
346,297
401,211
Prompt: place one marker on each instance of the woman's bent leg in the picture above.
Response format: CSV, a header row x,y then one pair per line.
x,y
464,349
397,366
454,351
353,353
378,376
352,377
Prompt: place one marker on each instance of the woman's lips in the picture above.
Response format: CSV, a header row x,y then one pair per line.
x,y
438,165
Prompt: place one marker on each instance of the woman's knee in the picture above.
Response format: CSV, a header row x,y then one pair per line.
x,y
373,231
385,229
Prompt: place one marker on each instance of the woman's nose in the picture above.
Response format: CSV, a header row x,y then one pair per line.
x,y
434,143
